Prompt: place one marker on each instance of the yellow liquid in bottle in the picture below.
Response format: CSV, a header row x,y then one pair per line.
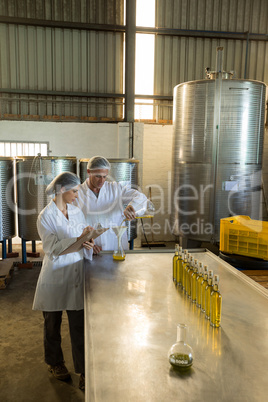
x,y
198,290
188,281
215,305
144,216
208,291
179,271
175,259
203,294
119,257
193,286
185,267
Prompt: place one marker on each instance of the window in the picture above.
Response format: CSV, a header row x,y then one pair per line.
x,y
144,69
13,148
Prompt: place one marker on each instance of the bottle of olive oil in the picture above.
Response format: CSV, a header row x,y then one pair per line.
x,y
179,269
215,304
203,288
199,280
208,291
189,272
175,258
193,281
185,265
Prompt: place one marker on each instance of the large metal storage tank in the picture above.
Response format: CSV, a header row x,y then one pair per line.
x,y
33,174
217,154
122,170
7,211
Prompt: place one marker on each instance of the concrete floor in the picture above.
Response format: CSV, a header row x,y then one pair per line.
x,y
24,376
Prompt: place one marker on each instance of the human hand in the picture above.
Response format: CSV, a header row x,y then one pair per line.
x,y
89,244
129,213
86,230
96,249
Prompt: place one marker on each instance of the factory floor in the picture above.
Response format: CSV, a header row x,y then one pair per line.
x,y
24,376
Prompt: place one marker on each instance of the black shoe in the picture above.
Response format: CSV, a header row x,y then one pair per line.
x,y
82,382
60,371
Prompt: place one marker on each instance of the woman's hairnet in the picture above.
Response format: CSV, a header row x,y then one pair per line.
x,y
98,162
68,180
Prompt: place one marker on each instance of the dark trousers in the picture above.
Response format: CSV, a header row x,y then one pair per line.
x,y
52,338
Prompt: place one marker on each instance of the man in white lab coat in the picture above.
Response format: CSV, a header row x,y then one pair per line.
x,y
102,202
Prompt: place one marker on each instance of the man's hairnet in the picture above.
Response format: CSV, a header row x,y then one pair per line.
x,y
68,180
98,162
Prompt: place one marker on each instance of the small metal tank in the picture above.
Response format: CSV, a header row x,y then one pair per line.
x,y
7,207
217,154
122,170
33,174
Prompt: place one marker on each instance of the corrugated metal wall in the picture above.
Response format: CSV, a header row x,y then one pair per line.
x,y
77,61
180,59
59,59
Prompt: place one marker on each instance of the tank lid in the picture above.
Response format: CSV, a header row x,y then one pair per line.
x,y
6,158
46,157
114,160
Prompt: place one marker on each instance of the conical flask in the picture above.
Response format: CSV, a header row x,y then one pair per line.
x,y
180,354
119,253
146,210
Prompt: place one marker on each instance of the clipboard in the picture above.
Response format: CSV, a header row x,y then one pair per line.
x,y
78,244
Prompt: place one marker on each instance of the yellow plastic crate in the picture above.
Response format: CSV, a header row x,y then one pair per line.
x,y
244,236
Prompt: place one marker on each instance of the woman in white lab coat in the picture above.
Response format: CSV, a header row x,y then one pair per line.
x,y
60,283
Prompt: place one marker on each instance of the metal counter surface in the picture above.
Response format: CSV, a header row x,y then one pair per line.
x,y
132,309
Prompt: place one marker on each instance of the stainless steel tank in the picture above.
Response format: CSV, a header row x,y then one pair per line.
x,y
122,170
217,154
33,174
7,207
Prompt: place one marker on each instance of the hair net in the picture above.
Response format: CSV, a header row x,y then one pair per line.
x,y
68,180
98,162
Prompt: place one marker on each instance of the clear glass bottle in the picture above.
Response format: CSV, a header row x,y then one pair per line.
x,y
119,253
203,288
208,291
215,304
180,354
199,280
193,281
174,263
189,272
179,269
184,267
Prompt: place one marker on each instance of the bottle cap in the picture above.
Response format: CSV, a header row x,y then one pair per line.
x,y
216,279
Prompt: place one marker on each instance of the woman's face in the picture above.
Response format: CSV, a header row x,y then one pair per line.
x,y
70,195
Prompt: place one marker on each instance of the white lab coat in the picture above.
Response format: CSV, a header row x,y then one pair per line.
x,y
107,209
60,284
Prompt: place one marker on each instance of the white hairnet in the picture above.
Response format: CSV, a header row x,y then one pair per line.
x,y
68,180
98,162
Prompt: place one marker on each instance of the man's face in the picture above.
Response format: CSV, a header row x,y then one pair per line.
x,y
97,177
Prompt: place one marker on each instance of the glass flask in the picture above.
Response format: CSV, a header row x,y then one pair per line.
x,y
119,253
180,354
146,210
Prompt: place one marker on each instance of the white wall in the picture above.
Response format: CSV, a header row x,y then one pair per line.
x,y
82,140
157,165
